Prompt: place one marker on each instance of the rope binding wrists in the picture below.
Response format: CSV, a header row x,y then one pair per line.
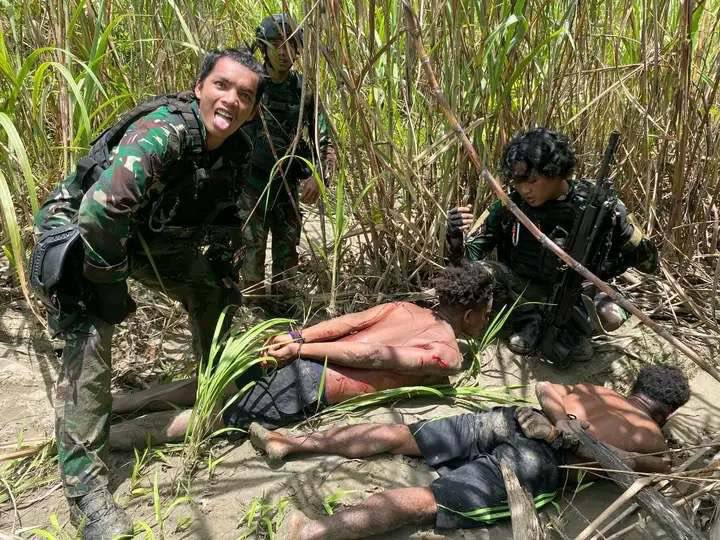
x,y
296,336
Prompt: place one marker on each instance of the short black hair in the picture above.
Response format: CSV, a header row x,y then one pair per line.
x,y
242,56
542,151
663,383
470,285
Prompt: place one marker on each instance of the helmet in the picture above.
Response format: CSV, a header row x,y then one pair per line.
x,y
278,26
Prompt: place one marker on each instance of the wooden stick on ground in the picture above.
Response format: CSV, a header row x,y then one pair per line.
x,y
23,452
525,523
633,507
665,514
624,532
414,31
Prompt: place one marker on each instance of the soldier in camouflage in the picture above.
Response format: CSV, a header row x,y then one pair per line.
x,y
538,165
171,172
270,196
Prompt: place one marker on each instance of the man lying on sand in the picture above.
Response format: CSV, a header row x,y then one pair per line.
x,y
388,346
469,448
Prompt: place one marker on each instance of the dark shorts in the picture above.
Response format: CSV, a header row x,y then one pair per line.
x,y
281,397
467,451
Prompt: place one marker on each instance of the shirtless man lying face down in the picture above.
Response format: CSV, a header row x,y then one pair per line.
x,y
469,448
388,346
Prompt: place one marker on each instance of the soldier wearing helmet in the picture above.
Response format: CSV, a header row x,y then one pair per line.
x,y
275,186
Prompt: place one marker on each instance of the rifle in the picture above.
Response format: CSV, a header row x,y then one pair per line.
x,y
585,245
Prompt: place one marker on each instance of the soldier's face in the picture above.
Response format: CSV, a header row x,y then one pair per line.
x,y
281,54
227,99
536,189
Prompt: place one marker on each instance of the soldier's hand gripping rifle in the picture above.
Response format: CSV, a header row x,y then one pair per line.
x,y
588,244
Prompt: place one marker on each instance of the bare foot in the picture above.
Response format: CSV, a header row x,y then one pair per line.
x,y
292,526
262,439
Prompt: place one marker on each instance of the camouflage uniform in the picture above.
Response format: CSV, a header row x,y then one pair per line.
x,y
271,205
536,270
153,174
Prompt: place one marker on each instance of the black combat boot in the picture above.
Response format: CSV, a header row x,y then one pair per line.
x,y
582,352
99,516
525,340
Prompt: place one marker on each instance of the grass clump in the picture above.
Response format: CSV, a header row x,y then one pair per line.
x,y
263,518
230,357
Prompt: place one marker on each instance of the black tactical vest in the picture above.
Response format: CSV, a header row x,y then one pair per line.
x,y
280,107
523,253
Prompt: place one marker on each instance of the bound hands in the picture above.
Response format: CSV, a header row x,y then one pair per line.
x,y
535,425
284,349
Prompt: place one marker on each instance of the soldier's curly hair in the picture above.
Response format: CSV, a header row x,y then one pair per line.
x,y
663,383
542,150
473,284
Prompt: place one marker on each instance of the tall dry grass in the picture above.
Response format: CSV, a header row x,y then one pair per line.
x,y
648,67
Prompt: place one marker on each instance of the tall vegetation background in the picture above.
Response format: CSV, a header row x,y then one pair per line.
x,y
649,68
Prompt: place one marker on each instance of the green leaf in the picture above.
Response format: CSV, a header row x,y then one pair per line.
x,y
38,85
18,149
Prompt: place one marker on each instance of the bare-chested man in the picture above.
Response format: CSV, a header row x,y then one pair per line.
x,y
388,346
469,448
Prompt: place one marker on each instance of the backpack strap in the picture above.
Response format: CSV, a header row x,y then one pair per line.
x,y
90,167
182,104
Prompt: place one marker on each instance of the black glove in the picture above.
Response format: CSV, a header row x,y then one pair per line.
x,y
460,219
111,301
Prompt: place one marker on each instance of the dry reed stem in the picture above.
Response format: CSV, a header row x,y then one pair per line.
x,y
623,532
24,452
414,31
684,466
627,495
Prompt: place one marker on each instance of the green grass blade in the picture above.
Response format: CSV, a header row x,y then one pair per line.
x,y
10,225
18,149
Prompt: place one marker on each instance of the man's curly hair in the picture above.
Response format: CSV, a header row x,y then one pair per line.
x,y
663,383
473,284
542,151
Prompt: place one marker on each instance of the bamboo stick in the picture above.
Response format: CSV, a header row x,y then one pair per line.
x,y
627,495
670,519
414,31
683,467
523,516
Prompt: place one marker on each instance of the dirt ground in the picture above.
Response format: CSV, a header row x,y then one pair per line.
x,y
221,497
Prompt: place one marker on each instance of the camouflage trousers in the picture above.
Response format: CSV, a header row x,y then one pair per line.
x,y
83,401
273,212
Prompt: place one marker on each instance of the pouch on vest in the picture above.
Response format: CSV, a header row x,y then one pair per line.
x,y
56,266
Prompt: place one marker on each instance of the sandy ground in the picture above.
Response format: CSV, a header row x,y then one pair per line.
x,y
218,501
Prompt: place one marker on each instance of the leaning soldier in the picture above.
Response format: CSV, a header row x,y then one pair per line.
x,y
168,167
286,121
538,165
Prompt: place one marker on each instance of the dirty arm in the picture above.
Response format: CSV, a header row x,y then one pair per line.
x,y
550,397
636,461
433,359
345,325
